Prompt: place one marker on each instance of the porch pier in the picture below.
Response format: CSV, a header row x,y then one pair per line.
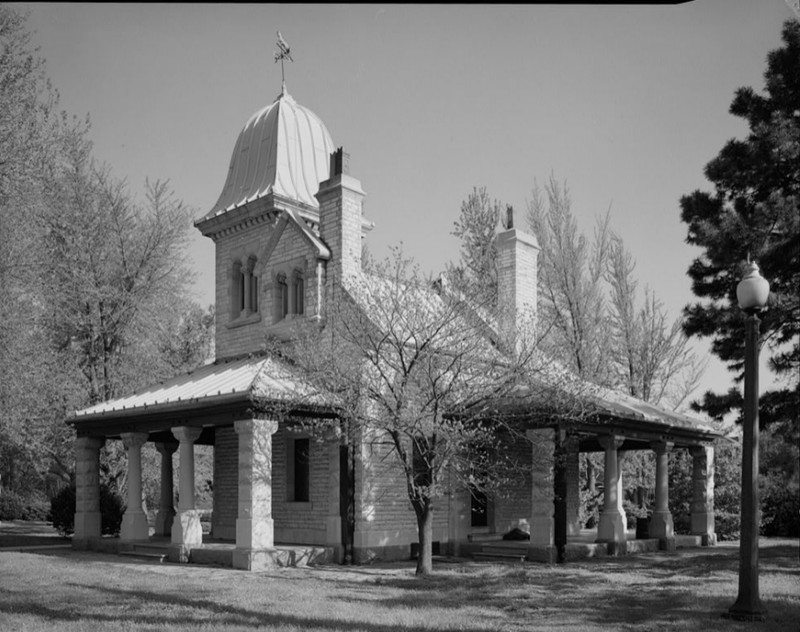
x,y
702,517
612,520
661,525
88,522
186,528
166,510
255,545
134,520
542,540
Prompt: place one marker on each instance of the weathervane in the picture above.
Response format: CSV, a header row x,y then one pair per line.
x,y
280,56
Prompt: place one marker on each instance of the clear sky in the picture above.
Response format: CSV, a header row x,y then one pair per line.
x,y
626,102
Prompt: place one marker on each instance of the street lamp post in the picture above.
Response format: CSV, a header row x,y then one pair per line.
x,y
752,293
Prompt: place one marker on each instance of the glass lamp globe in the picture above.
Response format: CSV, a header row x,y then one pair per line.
x,y
753,290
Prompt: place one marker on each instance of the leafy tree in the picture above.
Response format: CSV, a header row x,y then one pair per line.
x,y
92,281
416,378
36,385
476,271
753,214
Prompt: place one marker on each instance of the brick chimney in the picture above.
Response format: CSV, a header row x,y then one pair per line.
x,y
517,254
340,221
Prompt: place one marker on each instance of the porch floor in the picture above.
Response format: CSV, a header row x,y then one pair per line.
x,y
217,552
583,545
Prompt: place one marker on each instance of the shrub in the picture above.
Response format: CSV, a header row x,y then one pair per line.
x,y
11,506
62,511
780,510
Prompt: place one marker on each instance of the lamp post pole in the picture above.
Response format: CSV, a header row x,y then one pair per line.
x,y
752,291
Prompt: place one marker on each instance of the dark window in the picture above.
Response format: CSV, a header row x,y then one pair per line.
x,y
281,298
253,293
302,478
299,295
479,508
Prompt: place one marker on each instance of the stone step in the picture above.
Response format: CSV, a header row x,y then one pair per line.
x,y
504,550
155,557
512,557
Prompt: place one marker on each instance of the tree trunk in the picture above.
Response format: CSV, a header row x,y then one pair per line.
x,y
425,531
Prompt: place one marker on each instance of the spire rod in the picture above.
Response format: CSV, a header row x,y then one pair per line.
x,y
282,53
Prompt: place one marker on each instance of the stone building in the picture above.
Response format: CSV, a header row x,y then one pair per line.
x,y
287,228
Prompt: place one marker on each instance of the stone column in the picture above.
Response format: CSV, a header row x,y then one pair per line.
x,y
573,486
186,529
702,518
542,542
612,520
254,524
166,510
333,519
661,521
87,491
134,521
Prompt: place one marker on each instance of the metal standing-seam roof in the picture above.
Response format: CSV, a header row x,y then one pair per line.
x,y
222,380
284,149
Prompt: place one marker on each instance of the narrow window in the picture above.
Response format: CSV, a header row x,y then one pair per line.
x,y
302,473
252,289
237,290
281,300
299,294
253,293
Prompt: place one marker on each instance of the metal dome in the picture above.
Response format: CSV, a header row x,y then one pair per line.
x,y
283,149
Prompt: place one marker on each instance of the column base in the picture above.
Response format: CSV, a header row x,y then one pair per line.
x,y
164,520
186,528
666,544
88,524
134,526
542,553
542,531
254,559
255,533
611,527
661,525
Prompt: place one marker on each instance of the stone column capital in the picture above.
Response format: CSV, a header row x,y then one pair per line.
x,y
133,439
166,448
611,442
661,446
698,451
188,434
89,443
247,426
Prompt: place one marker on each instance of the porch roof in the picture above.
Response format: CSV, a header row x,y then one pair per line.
x,y
233,385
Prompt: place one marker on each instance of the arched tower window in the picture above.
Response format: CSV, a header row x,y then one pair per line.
x,y
299,293
281,297
237,289
252,281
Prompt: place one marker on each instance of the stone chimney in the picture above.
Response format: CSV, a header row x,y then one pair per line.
x,y
517,254
340,221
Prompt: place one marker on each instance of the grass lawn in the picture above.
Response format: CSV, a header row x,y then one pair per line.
x,y
69,591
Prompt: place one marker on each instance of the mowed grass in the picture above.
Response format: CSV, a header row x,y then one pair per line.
x,y
79,591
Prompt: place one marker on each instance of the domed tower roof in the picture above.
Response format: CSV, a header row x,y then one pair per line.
x,y
283,149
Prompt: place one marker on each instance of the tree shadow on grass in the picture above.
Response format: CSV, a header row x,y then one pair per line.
x,y
204,611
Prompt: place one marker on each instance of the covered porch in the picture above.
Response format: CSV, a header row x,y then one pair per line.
x,y
230,400
550,521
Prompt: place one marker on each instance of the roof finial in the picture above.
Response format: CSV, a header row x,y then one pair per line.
x,y
280,56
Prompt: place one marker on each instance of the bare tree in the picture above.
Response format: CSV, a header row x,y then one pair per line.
x,y
424,383
651,356
571,269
